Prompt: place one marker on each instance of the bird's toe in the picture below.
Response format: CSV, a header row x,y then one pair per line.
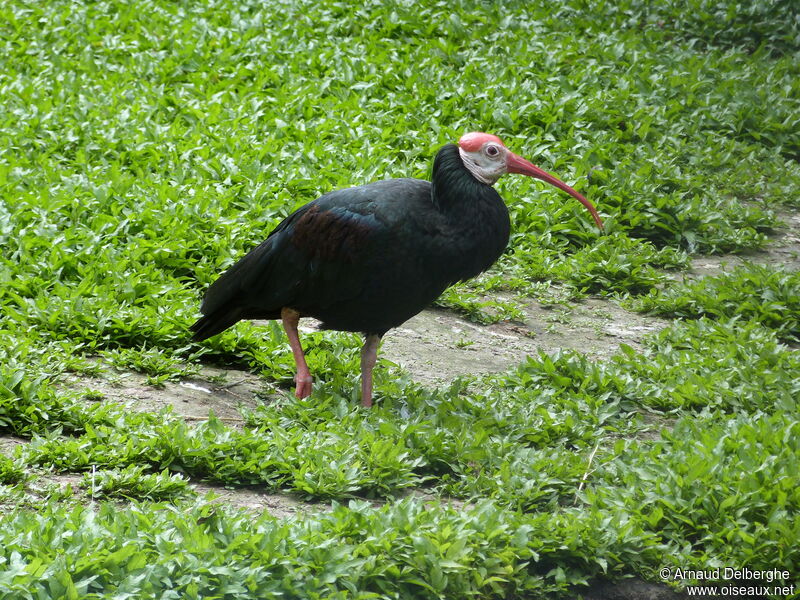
x,y
303,387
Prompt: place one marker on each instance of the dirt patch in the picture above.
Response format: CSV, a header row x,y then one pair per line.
x,y
8,443
437,345
783,249
278,505
223,391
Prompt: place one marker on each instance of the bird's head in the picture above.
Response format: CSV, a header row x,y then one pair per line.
x,y
486,157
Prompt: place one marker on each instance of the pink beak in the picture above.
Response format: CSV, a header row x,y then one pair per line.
x,y
517,164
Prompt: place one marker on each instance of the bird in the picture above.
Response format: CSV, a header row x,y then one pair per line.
x,y
366,259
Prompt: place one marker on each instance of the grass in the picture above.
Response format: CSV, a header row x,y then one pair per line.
x,y
764,294
144,148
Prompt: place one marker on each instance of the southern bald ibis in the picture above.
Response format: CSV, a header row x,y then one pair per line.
x,y
368,258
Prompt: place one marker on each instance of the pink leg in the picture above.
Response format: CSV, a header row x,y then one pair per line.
x,y
303,379
369,355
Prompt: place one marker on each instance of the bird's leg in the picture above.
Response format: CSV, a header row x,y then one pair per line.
x,y
303,379
369,355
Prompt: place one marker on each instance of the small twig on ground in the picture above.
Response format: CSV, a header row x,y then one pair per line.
x,y
223,419
228,386
586,473
94,473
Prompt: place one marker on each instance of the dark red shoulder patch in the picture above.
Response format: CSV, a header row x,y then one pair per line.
x,y
325,235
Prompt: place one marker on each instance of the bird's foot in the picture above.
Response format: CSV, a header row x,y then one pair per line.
x,y
303,386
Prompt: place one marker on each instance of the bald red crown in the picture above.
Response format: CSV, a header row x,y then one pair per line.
x,y
472,142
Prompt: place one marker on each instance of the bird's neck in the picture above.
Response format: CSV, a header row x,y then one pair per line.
x,y
475,219
453,186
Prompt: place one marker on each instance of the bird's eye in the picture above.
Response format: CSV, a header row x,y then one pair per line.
x,y
492,150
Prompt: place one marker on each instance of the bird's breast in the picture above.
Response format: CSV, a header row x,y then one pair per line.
x,y
475,243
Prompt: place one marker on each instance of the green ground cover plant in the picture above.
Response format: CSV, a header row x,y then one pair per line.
x,y
144,147
767,295
132,483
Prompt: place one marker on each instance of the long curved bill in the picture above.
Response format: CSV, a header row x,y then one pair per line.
x,y
517,164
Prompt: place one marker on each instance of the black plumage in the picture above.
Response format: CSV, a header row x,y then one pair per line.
x,y
365,259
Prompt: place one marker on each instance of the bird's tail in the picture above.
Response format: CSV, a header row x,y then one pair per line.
x,y
217,322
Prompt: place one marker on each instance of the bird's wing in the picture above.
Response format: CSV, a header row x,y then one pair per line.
x,y
325,252
315,257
